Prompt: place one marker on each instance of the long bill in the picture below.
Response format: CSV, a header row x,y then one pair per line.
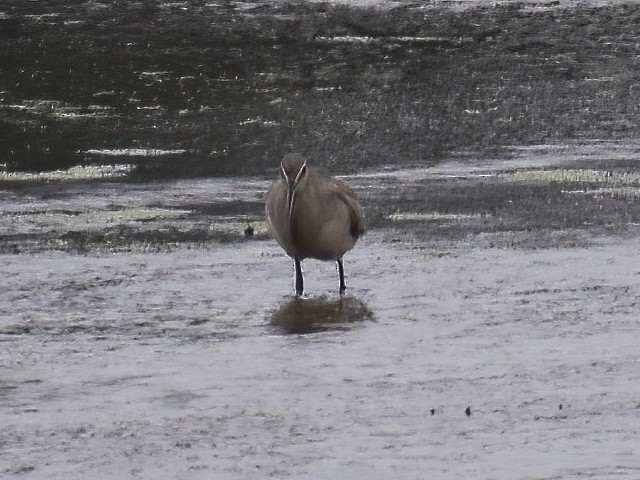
x,y
292,187
291,195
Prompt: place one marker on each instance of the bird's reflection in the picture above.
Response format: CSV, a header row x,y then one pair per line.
x,y
316,314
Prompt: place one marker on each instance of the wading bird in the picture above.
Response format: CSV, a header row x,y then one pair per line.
x,y
312,216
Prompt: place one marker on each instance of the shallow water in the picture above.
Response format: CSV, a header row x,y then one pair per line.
x,y
193,359
202,363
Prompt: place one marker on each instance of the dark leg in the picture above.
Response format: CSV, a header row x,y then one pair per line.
x,y
343,287
299,280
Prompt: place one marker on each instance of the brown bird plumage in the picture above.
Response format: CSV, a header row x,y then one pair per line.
x,y
312,216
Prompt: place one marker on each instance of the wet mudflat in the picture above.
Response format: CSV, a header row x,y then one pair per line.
x,y
143,335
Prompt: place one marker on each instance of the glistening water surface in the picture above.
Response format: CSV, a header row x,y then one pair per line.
x,y
144,334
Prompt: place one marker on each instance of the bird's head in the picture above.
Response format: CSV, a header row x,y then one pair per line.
x,y
293,167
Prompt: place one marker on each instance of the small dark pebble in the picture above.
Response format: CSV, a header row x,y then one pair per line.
x,y
26,469
468,411
249,231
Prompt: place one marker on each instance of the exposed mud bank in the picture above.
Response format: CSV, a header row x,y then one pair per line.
x,y
537,197
196,88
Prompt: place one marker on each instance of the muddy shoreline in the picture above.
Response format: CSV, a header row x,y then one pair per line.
x,y
543,196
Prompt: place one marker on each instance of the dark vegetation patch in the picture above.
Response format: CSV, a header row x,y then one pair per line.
x,y
194,226
120,238
229,208
531,214
237,86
